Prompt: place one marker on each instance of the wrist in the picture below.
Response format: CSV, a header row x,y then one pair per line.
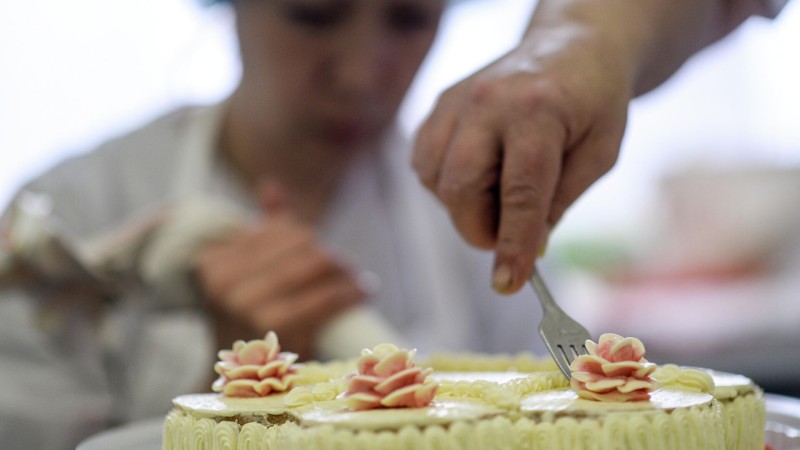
x,y
649,38
620,32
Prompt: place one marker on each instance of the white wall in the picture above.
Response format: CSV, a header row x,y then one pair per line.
x,y
735,104
73,73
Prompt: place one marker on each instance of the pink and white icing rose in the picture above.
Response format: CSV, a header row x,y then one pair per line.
x,y
388,378
255,368
614,370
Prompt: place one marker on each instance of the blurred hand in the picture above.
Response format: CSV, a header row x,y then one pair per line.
x,y
276,276
510,148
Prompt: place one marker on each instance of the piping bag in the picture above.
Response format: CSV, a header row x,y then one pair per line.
x,y
157,248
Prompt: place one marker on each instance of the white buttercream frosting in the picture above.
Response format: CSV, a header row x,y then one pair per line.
x,y
694,409
684,378
566,400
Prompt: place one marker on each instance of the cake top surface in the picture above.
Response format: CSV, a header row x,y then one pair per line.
x,y
439,412
568,400
258,380
472,377
730,385
217,405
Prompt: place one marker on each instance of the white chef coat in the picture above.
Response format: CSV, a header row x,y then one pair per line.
x,y
59,383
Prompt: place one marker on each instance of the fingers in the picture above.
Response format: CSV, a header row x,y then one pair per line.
x,y
248,253
432,141
530,174
296,299
276,276
496,170
310,308
451,159
510,148
467,183
298,318
293,272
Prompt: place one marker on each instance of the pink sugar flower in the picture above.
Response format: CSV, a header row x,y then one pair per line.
x,y
255,369
388,378
614,370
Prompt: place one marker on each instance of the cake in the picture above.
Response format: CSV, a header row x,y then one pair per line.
x,y
385,400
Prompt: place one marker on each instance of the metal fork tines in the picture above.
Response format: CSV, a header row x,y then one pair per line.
x,y
564,337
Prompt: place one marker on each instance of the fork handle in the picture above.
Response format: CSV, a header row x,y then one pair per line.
x,y
547,300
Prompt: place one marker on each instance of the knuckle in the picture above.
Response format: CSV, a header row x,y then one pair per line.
x,y
482,235
482,92
520,194
450,192
534,103
420,158
541,95
517,248
451,94
427,171
511,248
605,161
431,133
428,179
466,179
533,97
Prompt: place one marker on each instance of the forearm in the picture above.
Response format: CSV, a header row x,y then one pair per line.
x,y
650,39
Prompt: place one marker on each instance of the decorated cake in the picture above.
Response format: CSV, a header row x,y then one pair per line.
x,y
615,399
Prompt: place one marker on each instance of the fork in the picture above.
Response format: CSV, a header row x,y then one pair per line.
x,y
564,337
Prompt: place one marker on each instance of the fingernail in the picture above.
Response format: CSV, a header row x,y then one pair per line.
x,y
502,278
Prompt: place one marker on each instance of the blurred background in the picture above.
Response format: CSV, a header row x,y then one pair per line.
x,y
691,243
